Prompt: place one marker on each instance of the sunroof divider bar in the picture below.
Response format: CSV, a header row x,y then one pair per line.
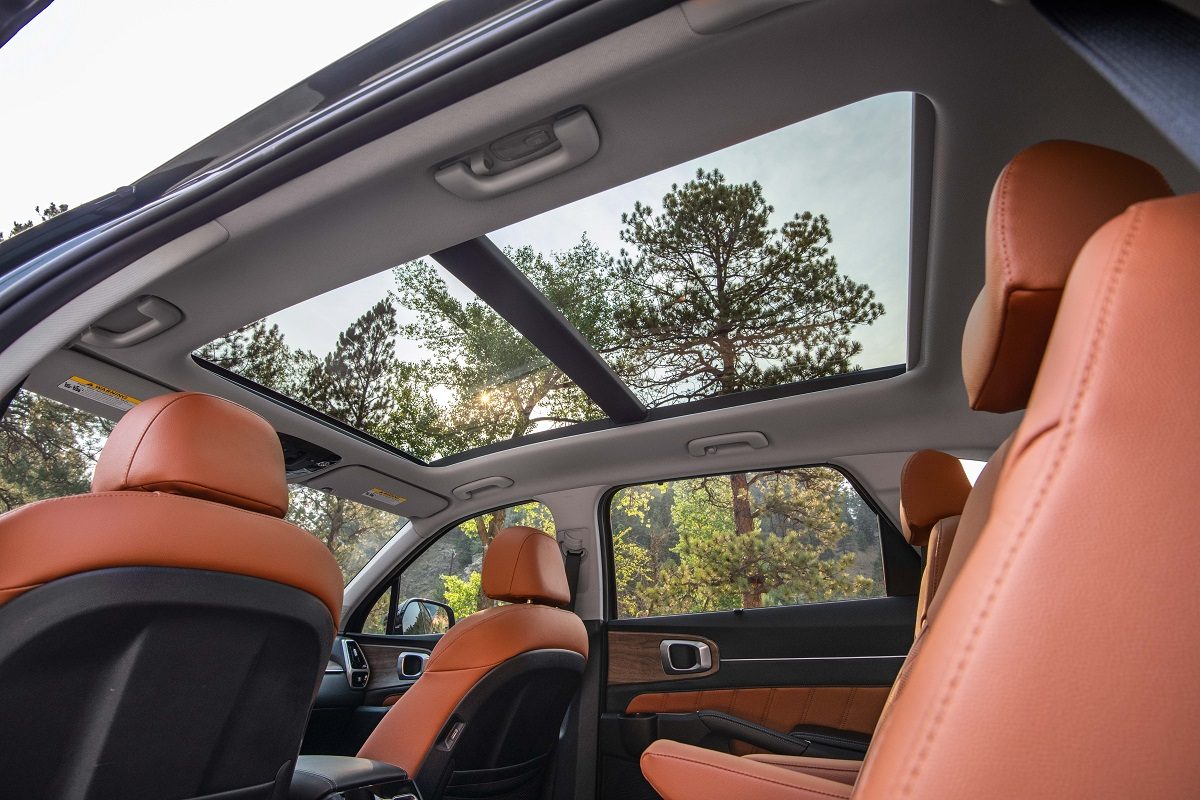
x,y
486,271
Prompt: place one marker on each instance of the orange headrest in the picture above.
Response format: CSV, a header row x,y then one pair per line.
x,y
1046,203
525,564
196,445
933,486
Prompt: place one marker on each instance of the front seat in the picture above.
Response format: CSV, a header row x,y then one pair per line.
x,y
483,719
1051,198
164,635
933,493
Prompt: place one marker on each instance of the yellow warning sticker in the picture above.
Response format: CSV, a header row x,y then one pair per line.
x,y
100,394
382,496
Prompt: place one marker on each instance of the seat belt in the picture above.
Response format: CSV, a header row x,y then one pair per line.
x,y
572,560
1149,51
573,552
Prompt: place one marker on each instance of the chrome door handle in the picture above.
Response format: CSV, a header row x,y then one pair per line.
x,y
684,656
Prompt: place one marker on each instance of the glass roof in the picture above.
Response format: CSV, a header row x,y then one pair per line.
x,y
713,278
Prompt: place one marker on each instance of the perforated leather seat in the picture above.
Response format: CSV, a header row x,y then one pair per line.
x,y
483,719
1046,205
164,635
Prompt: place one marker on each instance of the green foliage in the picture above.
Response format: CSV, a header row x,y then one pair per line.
x,y
258,352
353,532
498,385
797,550
462,595
47,450
716,301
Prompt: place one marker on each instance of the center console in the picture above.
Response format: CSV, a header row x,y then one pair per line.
x,y
348,778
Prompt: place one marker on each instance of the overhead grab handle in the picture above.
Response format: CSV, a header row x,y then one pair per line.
x,y
469,490
162,316
513,162
710,445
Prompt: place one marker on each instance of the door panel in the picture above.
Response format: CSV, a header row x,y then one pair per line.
x,y
343,717
827,664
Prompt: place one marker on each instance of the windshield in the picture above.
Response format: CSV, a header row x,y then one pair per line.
x,y
98,94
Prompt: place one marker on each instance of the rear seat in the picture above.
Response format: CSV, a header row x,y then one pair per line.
x,y
1046,204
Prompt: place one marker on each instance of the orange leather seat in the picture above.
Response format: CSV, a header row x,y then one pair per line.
x,y
164,635
933,492
487,710
1046,204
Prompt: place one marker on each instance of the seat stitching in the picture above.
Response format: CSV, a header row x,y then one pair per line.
x,y
846,709
951,686
807,702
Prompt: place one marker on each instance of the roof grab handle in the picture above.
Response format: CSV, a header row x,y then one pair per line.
x,y
484,177
161,316
469,490
710,445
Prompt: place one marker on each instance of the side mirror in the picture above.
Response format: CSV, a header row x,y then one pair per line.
x,y
419,616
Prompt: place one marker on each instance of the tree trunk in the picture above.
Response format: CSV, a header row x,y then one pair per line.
x,y
743,525
487,526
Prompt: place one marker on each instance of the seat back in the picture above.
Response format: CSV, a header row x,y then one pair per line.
x,y
163,636
484,718
1045,205
1064,657
933,491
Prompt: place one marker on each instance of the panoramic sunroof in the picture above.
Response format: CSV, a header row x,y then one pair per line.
x,y
771,263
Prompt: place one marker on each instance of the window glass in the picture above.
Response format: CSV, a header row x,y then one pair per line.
x,y
353,532
47,449
743,540
377,617
972,467
774,261
449,570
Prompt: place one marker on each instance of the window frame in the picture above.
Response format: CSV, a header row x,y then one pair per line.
x,y
902,564
356,618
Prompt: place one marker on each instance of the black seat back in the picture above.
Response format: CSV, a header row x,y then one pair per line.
x,y
499,741
154,682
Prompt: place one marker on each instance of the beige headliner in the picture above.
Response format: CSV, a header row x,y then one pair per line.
x,y
997,78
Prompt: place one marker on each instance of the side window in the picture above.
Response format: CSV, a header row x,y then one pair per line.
x,y
353,532
47,449
743,540
449,570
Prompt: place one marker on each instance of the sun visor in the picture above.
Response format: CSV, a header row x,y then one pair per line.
x,y
380,491
90,385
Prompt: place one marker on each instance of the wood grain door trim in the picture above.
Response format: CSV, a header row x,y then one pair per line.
x,y
633,657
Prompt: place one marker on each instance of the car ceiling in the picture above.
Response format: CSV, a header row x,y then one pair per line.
x,y
996,79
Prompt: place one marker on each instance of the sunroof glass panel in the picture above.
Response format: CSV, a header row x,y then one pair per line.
x,y
411,357
777,260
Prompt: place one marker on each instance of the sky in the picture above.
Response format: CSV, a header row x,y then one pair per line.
x,y
97,94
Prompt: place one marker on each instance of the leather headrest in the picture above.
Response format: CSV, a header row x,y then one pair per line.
x,y
196,445
933,486
1045,205
525,564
